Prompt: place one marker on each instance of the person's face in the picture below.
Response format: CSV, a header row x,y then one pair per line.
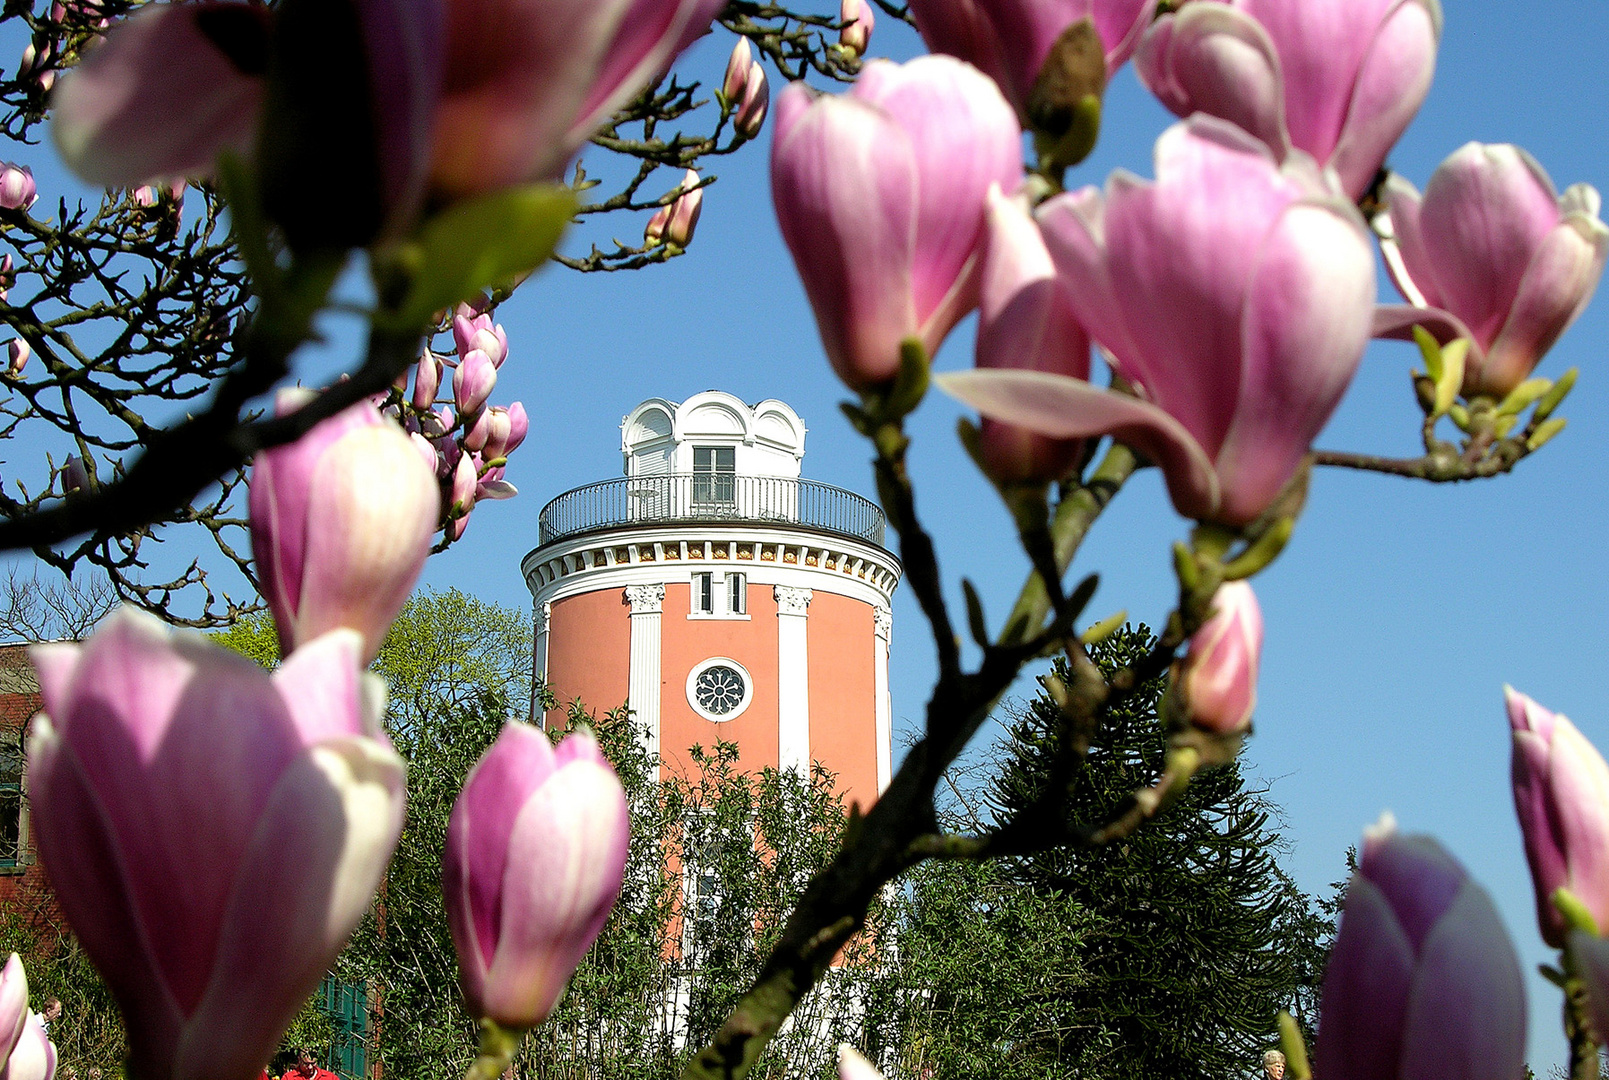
x,y
305,1066
1275,1070
52,1010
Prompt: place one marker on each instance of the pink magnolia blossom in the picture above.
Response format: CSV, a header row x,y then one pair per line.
x,y
1217,680
17,188
535,856
1493,253
74,474
1339,79
1009,40
17,355
1235,295
465,96
172,783
498,429
1423,982
474,330
341,522
1025,321
880,193
1561,795
859,20
473,381
519,425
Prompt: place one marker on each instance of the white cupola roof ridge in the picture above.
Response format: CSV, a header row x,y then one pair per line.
x,y
712,430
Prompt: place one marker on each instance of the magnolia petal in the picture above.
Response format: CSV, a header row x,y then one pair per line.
x,y
852,1065
1212,58
1397,321
373,510
1466,1009
1307,320
1068,408
962,28
1555,290
163,94
1578,786
566,861
321,686
142,722
1367,983
13,1004
1486,211
1539,827
1391,85
964,137
503,119
77,849
1407,260
844,182
478,831
335,818
648,38
1181,253
1073,225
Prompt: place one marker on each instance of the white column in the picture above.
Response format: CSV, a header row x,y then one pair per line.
x,y
642,689
882,635
539,653
793,680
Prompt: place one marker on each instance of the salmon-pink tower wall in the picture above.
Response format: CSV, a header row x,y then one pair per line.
x,y
722,597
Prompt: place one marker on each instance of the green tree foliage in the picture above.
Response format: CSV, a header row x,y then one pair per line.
x,y
1164,955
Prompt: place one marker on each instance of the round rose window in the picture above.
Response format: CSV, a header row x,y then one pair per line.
x,y
719,689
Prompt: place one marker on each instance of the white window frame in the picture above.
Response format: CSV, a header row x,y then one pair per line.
x,y
721,587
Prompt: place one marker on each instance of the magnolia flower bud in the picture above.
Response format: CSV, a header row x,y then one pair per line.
x,y
498,427
74,475
13,1004
654,232
465,478
17,354
1422,980
172,782
473,381
1561,795
477,332
737,70
341,522
535,856
750,115
426,381
475,438
858,20
17,188
518,426
1217,680
684,212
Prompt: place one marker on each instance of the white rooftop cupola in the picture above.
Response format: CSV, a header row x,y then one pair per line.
x,y
712,432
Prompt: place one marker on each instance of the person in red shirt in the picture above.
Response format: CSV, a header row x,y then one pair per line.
x,y
307,1069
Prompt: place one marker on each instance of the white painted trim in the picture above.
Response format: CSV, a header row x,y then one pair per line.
x,y
645,671
882,633
793,680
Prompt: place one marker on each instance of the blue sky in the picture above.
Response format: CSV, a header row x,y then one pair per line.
x,y
1397,612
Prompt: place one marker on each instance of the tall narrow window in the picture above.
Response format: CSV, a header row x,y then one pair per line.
x,y
11,760
737,594
714,475
704,594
